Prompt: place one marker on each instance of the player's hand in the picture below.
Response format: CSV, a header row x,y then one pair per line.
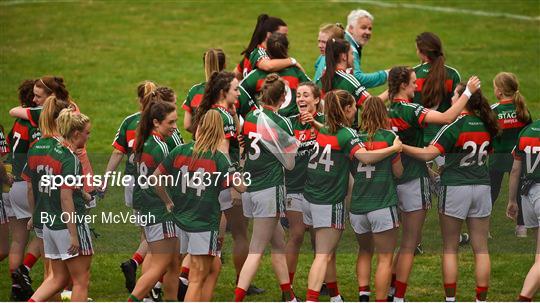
x,y
473,84
30,224
241,140
10,179
170,206
236,198
306,117
398,145
512,209
86,196
74,247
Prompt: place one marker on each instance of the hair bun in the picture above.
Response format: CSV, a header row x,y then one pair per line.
x,y
262,17
59,80
271,78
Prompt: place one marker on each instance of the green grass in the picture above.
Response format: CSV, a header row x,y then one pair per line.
x,y
103,49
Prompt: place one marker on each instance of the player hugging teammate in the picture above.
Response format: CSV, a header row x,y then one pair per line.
x,y
281,151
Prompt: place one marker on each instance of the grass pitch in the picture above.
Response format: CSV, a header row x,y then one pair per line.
x,y
103,49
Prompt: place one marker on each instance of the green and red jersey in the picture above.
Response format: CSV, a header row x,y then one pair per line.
x,y
35,168
501,159
144,197
466,143
408,122
250,62
295,179
374,185
252,84
229,128
265,169
345,81
194,98
20,138
452,80
528,151
4,147
124,140
59,161
33,114
199,179
328,168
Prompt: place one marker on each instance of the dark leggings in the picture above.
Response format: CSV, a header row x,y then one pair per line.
x,y
496,178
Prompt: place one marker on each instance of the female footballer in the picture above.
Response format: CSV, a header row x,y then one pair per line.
x,y
204,171
414,198
526,159
326,32
68,245
157,122
213,61
255,53
220,95
277,48
264,199
465,193
49,137
308,100
22,135
123,144
512,115
339,59
373,212
435,81
327,181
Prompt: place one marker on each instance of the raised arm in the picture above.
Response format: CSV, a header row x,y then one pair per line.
x,y
19,112
435,117
274,65
425,154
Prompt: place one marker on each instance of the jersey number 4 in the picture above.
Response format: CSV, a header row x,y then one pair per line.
x,y
324,159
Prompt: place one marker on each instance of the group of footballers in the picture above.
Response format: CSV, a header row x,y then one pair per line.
x,y
292,155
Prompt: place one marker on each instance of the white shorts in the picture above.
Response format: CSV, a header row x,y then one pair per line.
x,y
56,243
332,216
465,201
38,232
138,220
3,213
225,199
414,195
530,206
128,191
204,243
375,221
18,196
266,203
295,202
440,160
7,205
160,231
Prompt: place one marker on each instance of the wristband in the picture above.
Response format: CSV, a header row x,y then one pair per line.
x,y
293,61
467,92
